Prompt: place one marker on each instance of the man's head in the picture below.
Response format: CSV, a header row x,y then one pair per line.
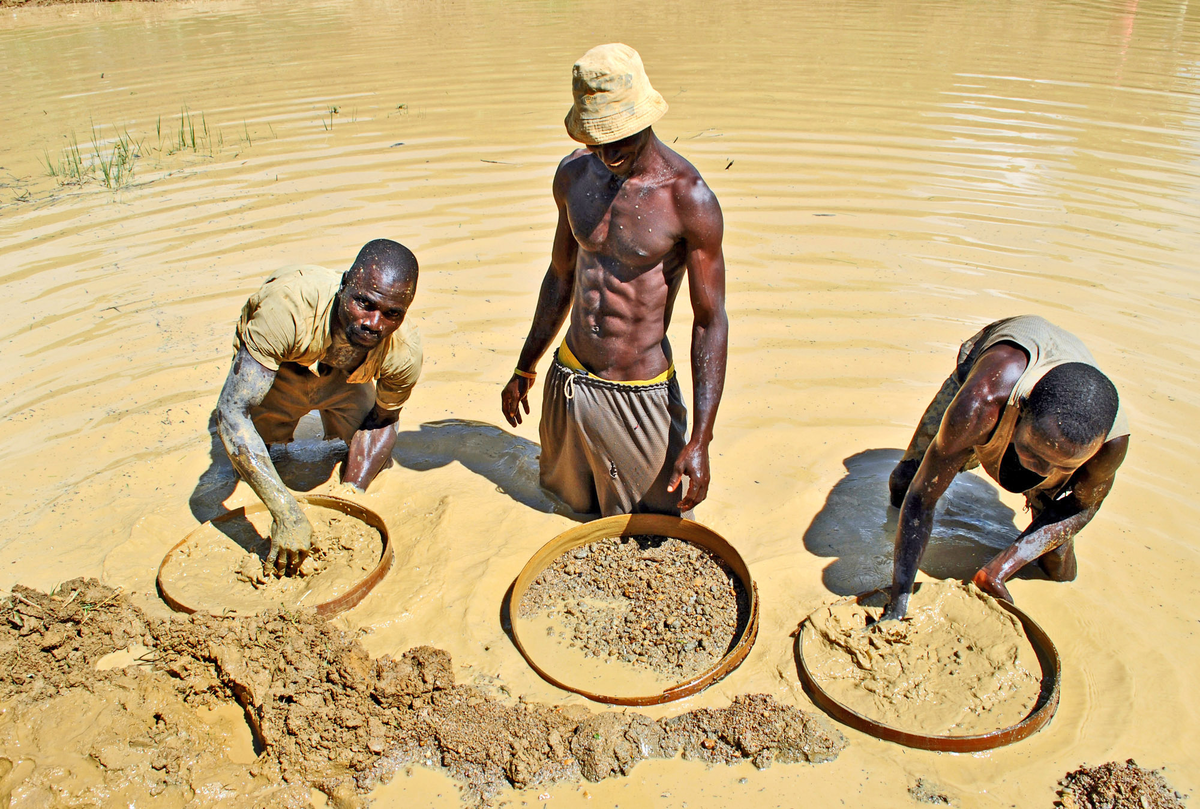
x,y
376,292
1066,418
614,104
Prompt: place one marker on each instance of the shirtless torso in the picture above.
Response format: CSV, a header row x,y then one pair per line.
x,y
634,219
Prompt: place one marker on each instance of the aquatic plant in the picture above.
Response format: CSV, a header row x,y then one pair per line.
x,y
109,162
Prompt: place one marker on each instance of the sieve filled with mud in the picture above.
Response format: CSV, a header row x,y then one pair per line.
x,y
623,612
218,568
962,671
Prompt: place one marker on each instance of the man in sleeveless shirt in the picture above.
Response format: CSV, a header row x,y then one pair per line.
x,y
316,339
1027,402
634,218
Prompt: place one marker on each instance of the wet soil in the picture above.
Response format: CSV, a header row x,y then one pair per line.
x,y
1117,786
653,602
325,715
926,791
220,569
957,664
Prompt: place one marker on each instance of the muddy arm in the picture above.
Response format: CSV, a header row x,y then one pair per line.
x,y
553,306
371,447
246,386
1060,522
970,418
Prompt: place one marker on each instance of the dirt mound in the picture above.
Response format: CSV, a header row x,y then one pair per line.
x,y
650,601
51,641
1117,786
324,713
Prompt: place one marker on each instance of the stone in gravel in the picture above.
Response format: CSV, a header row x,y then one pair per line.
x,y
654,602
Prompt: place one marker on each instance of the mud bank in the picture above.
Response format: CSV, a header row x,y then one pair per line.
x,y
324,714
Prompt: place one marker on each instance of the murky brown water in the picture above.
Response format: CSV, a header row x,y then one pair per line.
x,y
893,175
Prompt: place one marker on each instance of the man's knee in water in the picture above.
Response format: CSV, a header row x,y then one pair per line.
x,y
900,479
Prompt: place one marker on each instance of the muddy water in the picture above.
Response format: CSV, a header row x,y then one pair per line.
x,y
893,175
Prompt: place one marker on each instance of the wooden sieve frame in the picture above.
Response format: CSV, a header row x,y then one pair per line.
x,y
1041,714
624,525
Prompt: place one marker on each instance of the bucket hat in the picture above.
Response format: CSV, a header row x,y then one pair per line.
x,y
613,96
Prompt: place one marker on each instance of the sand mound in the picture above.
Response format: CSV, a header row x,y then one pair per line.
x,y
325,714
958,664
1117,786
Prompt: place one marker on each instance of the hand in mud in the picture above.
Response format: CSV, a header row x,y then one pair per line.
x,y
894,611
992,586
514,395
291,540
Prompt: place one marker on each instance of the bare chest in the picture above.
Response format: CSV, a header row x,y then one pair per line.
x,y
633,229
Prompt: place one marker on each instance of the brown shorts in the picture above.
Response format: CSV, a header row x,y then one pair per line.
x,y
609,447
298,391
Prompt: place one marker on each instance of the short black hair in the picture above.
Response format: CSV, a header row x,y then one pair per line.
x,y
395,263
1078,398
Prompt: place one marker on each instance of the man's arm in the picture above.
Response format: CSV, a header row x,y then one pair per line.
x,y
969,420
371,447
1061,521
246,386
554,303
703,228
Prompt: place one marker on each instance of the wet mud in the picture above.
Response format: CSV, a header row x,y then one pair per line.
x,y
958,664
1117,786
220,569
323,713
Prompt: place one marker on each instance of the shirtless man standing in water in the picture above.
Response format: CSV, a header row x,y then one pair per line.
x,y
633,218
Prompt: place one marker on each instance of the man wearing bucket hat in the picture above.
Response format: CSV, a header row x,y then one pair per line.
x,y
634,218
315,339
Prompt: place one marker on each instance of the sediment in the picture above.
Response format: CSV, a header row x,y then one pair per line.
x,y
324,713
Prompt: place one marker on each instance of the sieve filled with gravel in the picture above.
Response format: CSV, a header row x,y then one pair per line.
x,y
654,602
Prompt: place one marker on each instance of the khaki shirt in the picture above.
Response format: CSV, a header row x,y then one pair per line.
x,y
288,320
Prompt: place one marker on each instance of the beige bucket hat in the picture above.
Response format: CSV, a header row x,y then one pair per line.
x,y
613,97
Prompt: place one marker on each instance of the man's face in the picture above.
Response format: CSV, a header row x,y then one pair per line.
x,y
369,310
619,156
1042,449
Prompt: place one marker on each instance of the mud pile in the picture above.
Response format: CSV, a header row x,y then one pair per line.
x,y
650,601
958,664
324,713
1117,786
220,567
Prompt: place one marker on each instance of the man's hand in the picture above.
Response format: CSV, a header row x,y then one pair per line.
x,y
291,540
514,395
693,462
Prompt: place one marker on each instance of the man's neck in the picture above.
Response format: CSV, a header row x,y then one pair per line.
x,y
342,354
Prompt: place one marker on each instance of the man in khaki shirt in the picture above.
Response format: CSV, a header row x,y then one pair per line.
x,y
315,339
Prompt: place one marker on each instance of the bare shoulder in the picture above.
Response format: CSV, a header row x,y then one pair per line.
x,y
977,408
697,204
570,168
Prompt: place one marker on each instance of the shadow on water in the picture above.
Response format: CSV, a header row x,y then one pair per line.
x,y
858,527
508,461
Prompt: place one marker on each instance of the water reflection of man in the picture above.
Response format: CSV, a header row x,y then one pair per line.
x,y
633,219
316,339
1027,402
